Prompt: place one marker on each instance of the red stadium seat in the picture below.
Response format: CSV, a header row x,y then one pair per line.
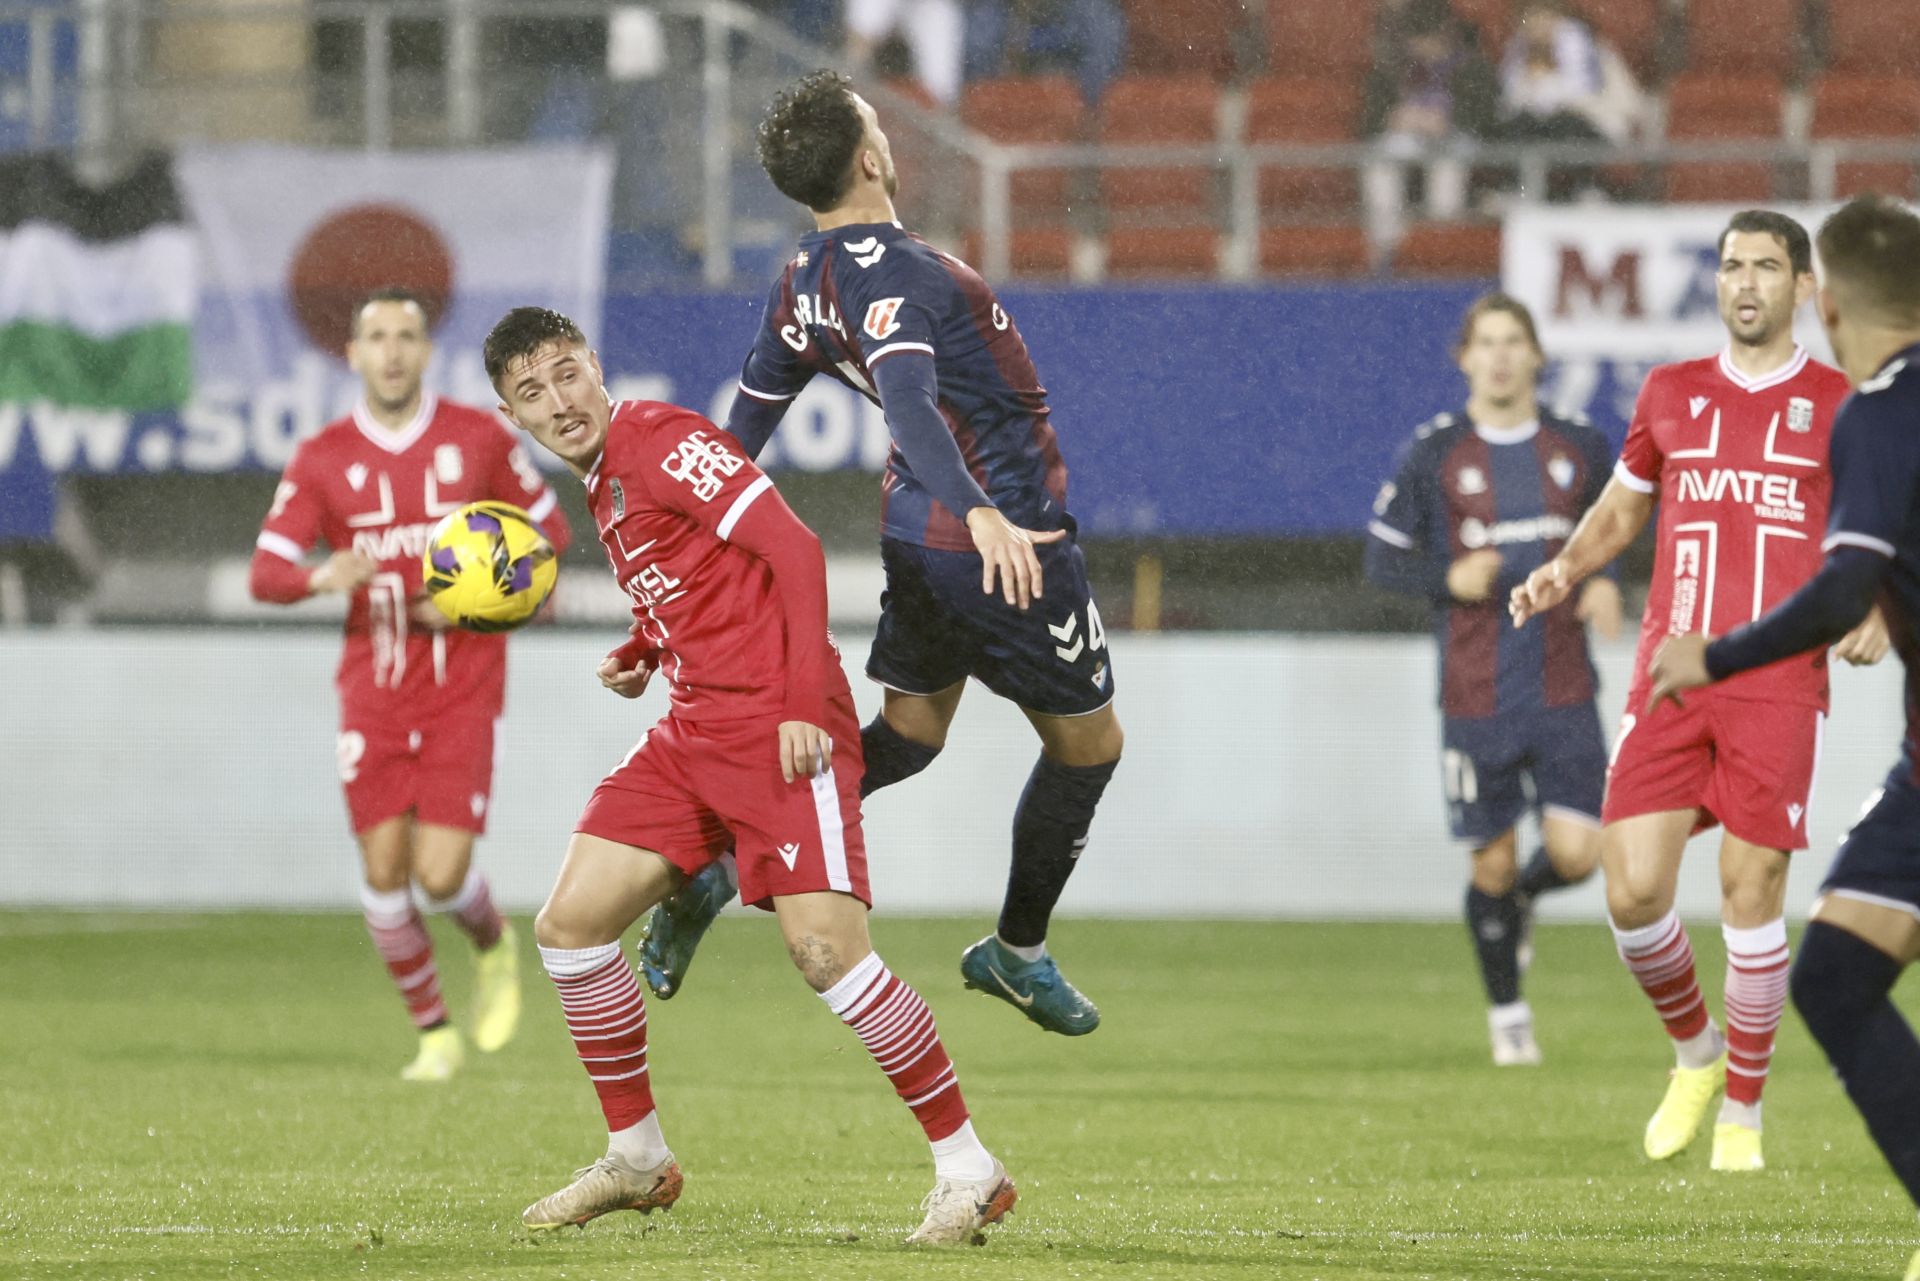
x,y
1286,109
1873,37
1034,252
1868,107
1029,110
1185,252
1193,37
1451,249
1722,109
1745,36
1320,38
1634,28
1161,110
1314,249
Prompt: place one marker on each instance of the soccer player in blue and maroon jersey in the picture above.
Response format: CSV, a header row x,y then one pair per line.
x,y
1865,927
1480,499
984,578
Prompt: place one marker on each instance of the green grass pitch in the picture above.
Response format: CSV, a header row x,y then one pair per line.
x,y
215,1097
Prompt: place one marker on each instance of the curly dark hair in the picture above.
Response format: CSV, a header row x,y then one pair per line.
x,y
809,138
520,333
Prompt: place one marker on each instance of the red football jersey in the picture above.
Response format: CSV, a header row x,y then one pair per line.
x,y
1740,467
668,493
359,486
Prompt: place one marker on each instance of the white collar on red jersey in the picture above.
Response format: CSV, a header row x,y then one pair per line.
x,y
1783,374
396,442
1526,431
592,477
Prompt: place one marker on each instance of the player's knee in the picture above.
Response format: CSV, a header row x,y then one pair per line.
x,y
1634,902
440,884
823,957
557,926
1494,876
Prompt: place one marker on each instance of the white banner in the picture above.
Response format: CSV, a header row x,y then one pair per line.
x,y
292,237
1611,283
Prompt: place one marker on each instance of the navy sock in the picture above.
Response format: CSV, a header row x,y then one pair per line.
x,y
1840,986
1540,875
1494,922
891,756
1049,831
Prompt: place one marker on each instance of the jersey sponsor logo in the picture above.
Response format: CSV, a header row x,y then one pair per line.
x,y
1772,497
1686,587
1475,534
653,586
1561,468
866,252
1470,481
703,464
1800,414
789,854
883,318
447,464
394,541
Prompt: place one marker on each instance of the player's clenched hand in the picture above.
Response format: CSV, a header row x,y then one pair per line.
x,y
1866,644
1471,578
805,750
1545,587
1599,607
424,614
627,670
1679,664
343,572
1006,553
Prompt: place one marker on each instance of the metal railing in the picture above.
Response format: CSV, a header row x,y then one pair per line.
x,y
723,60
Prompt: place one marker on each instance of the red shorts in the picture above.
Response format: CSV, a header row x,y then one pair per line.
x,y
689,790
1742,763
442,771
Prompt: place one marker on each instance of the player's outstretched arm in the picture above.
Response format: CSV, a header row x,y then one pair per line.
x,y
1603,533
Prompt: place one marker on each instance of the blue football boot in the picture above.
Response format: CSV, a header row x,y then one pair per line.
x,y
676,926
1036,988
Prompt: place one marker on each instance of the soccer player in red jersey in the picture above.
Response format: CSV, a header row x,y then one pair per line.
x,y
1735,448
759,750
418,701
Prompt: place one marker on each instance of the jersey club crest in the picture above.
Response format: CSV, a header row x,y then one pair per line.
x,y
1800,414
619,499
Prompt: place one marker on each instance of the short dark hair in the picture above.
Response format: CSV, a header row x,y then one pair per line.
x,y
1502,304
1782,228
809,137
520,333
1871,246
388,293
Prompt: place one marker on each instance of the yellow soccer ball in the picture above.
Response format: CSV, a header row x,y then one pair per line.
x,y
488,567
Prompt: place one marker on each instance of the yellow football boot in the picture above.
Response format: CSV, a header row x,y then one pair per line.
x,y
1736,1148
1689,1095
496,1004
441,1055
1913,1268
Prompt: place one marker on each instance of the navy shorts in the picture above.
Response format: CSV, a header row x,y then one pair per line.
x,y
1879,859
937,628
1489,764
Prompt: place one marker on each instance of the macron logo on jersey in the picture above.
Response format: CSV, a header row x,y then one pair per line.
x,y
1697,404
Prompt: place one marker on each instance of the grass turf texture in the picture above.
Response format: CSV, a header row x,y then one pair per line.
x,y
217,1097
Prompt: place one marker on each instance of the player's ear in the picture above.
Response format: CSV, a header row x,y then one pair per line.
x,y
1804,286
1823,303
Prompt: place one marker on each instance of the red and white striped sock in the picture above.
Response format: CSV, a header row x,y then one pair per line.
x,y
608,1019
400,936
472,909
1661,959
898,1030
1756,995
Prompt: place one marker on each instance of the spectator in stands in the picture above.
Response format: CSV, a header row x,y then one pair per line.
x,y
1559,82
932,29
1430,89
1087,39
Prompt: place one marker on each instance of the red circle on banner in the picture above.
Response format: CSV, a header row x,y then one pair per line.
x,y
357,250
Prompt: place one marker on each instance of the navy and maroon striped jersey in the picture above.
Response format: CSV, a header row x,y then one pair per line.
x,y
857,295
1460,488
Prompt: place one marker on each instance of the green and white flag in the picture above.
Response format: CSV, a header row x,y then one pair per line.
x,y
98,287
